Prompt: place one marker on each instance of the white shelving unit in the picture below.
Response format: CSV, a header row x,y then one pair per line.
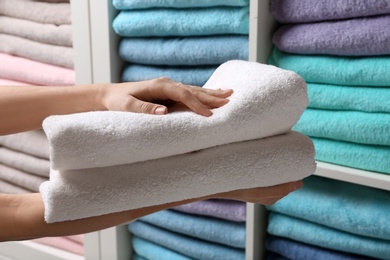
x,y
97,61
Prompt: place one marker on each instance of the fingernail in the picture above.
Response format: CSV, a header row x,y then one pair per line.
x,y
160,111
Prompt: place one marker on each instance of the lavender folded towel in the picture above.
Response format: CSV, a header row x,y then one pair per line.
x,y
215,230
335,97
223,209
24,162
189,51
45,33
46,53
354,37
191,75
304,11
182,22
142,4
349,71
32,142
6,187
22,179
41,12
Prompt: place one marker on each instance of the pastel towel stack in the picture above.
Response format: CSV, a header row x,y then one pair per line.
x,y
185,245
147,250
109,140
183,40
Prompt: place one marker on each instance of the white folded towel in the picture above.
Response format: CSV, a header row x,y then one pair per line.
x,y
266,101
75,194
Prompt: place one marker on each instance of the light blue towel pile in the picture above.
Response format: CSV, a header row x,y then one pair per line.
x,y
142,4
319,235
188,246
210,229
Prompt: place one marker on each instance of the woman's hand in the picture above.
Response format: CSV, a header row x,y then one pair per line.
x,y
151,97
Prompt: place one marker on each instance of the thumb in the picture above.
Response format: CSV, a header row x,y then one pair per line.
x,y
148,108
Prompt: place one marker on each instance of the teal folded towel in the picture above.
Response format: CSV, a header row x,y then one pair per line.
x,y
188,246
210,229
349,126
351,71
182,22
314,234
336,97
189,51
366,157
142,4
192,75
137,257
151,251
359,209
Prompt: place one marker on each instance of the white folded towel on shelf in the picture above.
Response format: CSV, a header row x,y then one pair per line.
x,y
75,194
266,101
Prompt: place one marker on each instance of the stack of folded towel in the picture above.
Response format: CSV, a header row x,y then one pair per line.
x,y
183,40
342,50
35,43
330,219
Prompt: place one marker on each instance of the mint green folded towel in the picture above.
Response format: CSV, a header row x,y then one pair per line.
x,y
336,97
142,4
319,235
366,157
351,71
349,126
321,198
182,22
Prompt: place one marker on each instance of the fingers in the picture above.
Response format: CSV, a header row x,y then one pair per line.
x,y
138,106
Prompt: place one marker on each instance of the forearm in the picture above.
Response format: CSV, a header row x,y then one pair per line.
x,y
24,108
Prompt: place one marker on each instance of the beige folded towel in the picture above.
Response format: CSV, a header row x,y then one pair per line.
x,y
21,178
9,188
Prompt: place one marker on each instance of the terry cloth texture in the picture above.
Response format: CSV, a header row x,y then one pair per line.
x,y
262,93
354,205
74,194
356,37
214,230
349,126
33,72
189,51
146,250
335,97
41,12
182,22
350,71
294,250
31,142
319,235
365,157
305,11
45,33
41,52
24,162
141,4
191,75
22,179
218,208
9,188
188,246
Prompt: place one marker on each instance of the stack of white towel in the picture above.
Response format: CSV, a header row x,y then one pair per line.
x,y
104,162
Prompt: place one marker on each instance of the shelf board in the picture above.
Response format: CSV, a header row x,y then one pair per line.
x,y
366,178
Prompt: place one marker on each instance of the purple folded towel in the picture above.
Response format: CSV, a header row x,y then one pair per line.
x,y
360,36
303,11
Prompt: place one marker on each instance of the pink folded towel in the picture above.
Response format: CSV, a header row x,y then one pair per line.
x,y
63,243
25,70
8,82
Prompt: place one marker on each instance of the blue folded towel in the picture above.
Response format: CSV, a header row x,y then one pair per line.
x,y
314,234
304,11
182,22
360,210
336,70
356,37
188,246
142,4
151,251
210,229
191,75
274,256
294,250
138,257
366,157
335,97
189,51
349,126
